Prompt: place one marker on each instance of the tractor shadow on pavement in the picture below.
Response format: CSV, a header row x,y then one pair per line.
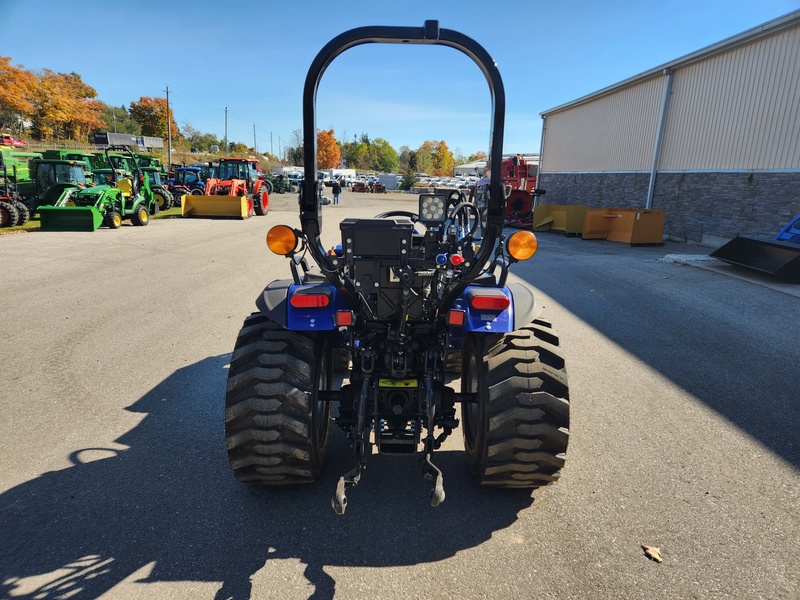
x,y
169,502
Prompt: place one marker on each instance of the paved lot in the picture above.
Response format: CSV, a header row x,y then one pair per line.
x,y
114,479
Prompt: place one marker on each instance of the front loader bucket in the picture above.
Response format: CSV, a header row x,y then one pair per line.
x,y
69,218
781,259
215,206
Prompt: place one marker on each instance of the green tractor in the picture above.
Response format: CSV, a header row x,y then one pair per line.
x,y
120,198
279,184
162,195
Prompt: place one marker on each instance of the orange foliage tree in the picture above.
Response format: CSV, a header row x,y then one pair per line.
x,y
16,88
63,106
328,152
151,114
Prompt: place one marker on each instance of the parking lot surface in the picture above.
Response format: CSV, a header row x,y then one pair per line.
x,y
114,481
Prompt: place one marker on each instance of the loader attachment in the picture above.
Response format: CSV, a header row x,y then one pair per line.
x,y
781,259
69,218
216,206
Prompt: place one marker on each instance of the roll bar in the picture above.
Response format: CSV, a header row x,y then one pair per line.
x,y
429,33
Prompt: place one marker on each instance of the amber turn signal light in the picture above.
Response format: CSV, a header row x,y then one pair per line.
x,y
522,245
282,240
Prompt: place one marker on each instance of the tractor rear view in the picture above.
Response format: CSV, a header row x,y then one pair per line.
x,y
234,191
404,296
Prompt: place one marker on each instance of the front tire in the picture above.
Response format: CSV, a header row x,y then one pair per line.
x,y
276,427
517,433
112,220
140,216
261,202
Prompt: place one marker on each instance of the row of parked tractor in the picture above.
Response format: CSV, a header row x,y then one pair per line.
x,y
73,190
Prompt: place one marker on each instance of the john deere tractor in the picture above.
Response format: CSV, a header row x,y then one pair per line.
x,y
117,199
405,297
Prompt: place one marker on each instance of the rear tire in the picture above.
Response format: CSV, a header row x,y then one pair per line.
x,y
162,199
517,433
275,427
23,214
8,215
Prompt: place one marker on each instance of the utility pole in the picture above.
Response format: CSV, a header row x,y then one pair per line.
x,y
255,146
226,131
169,131
270,144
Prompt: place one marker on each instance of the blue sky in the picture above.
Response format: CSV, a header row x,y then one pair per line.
x,y
252,57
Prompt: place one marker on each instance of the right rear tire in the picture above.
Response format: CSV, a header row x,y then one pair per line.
x,y
516,434
276,427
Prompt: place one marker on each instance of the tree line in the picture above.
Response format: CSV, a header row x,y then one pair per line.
x,y
61,106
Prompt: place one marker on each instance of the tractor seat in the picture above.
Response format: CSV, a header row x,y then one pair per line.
x,y
126,185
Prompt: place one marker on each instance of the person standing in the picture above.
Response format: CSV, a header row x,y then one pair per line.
x,y
337,189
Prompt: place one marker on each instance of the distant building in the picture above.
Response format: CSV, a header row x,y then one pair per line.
x,y
713,138
476,167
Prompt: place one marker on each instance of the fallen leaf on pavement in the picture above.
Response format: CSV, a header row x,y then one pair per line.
x,y
652,553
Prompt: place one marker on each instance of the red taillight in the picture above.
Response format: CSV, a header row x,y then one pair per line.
x,y
456,318
493,302
344,318
310,300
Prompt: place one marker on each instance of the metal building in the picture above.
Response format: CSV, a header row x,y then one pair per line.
x,y
713,138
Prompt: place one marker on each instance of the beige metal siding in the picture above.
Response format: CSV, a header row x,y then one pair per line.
x,y
736,110
611,133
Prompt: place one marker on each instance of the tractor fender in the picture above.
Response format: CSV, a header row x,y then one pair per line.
x,y
272,302
526,308
521,312
275,303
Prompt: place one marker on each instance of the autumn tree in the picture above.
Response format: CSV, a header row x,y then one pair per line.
x,y
328,153
64,107
16,88
443,162
152,115
480,155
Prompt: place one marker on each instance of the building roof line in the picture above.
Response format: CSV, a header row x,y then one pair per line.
x,y
772,27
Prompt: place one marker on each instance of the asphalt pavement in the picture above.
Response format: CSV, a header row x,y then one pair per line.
x,y
114,483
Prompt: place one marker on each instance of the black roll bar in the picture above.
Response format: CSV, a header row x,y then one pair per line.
x,y
429,33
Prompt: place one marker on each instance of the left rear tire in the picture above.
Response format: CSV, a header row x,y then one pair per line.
x,y
276,425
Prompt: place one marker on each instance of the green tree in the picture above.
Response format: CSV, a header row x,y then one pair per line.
x,y
404,159
386,159
423,159
294,151
117,119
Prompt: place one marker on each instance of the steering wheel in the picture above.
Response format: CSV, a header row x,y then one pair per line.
x,y
456,197
399,213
